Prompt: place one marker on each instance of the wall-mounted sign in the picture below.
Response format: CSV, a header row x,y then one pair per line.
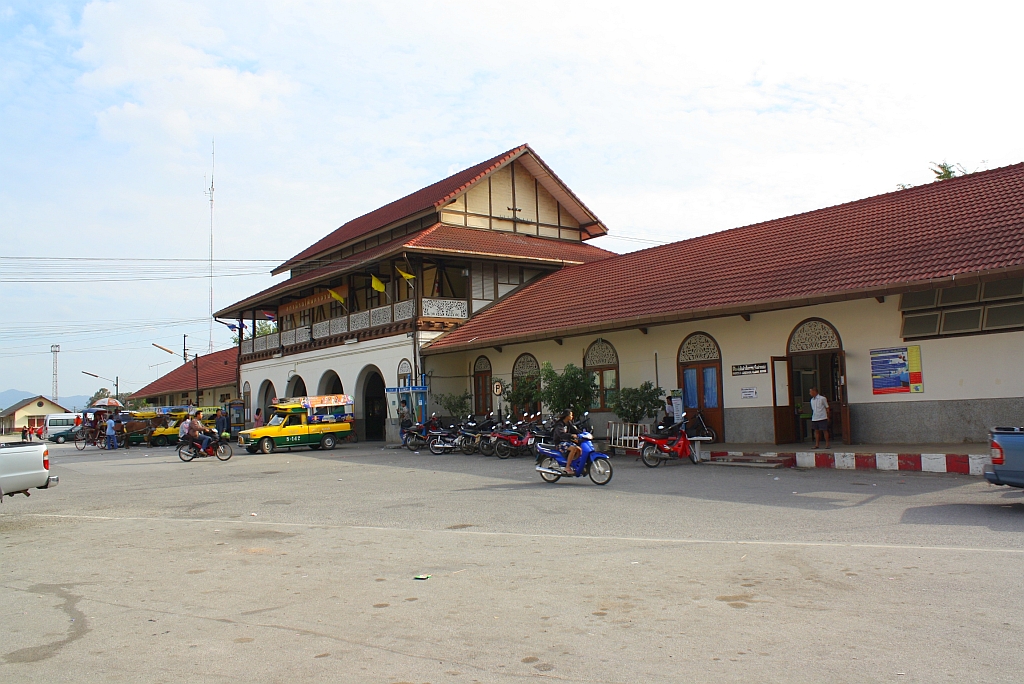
x,y
748,393
896,370
750,368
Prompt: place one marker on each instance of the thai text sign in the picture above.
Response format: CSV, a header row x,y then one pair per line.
x,y
896,370
750,368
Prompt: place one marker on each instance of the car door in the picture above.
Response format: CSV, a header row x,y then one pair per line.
x,y
293,432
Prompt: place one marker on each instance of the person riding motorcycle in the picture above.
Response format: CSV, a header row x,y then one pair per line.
x,y
565,432
197,433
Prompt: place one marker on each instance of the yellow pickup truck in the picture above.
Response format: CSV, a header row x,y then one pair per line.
x,y
300,423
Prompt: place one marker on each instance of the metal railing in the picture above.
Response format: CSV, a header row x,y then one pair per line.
x,y
626,435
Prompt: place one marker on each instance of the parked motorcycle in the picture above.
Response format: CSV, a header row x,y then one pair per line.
x,y
590,462
666,443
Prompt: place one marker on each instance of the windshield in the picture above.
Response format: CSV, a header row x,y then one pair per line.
x,y
276,420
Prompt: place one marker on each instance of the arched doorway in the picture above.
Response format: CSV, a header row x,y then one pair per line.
x,y
374,407
482,386
265,398
814,358
330,383
700,378
296,386
526,369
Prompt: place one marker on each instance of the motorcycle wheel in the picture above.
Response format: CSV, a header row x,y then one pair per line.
x,y
708,431
551,464
224,451
468,448
487,447
436,446
649,455
601,471
414,443
185,452
502,449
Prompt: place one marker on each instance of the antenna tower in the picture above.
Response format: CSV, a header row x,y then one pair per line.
x,y
54,348
209,193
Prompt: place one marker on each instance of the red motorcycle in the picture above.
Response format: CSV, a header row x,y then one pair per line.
x,y
513,442
664,444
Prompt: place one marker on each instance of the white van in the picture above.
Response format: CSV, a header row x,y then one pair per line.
x,y
58,422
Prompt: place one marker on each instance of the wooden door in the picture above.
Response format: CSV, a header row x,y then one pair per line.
x,y
844,400
701,382
482,392
782,400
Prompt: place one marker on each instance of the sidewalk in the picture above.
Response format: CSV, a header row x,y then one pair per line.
x,y
968,459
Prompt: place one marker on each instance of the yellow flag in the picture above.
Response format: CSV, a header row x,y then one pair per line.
x,y
336,296
407,276
376,284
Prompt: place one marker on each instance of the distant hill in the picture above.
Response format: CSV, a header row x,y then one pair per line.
x,y
13,396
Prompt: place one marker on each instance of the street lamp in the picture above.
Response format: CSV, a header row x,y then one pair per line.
x,y
195,364
117,392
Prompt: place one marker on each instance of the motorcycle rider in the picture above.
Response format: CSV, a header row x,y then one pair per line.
x,y
197,433
565,431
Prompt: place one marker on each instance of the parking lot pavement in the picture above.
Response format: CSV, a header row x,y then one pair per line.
x,y
142,567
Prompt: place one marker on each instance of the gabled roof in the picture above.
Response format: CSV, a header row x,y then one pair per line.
x,y
215,370
440,239
11,410
963,229
440,193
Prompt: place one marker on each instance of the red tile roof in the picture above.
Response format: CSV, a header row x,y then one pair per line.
x,y
440,239
963,228
215,370
432,196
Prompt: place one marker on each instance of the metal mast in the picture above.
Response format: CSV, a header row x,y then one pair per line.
x,y
55,348
209,193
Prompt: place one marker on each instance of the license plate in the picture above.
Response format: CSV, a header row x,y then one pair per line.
x,y
530,441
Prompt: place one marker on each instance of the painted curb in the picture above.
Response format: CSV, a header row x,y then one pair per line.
x,y
965,464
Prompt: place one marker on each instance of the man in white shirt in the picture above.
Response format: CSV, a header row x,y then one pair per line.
x,y
819,418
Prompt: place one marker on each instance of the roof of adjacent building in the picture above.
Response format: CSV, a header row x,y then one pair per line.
x,y
14,408
440,239
443,191
958,230
215,370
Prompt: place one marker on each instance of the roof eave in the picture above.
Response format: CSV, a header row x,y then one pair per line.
x,y
762,306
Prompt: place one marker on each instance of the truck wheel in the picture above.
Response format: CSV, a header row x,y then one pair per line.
x,y
267,445
251,449
160,441
328,441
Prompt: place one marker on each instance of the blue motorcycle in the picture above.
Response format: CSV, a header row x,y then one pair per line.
x,y
551,462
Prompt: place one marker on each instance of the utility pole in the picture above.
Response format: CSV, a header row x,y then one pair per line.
x,y
184,349
54,348
209,193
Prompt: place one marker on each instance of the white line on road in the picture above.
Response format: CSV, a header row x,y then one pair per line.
x,y
540,535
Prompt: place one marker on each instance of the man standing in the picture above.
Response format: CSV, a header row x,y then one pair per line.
x,y
111,434
222,423
819,418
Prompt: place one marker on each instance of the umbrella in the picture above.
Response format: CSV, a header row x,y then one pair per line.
x,y
109,401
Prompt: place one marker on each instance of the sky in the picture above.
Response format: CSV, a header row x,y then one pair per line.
x,y
669,120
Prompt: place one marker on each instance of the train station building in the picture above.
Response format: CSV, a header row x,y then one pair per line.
x,y
905,310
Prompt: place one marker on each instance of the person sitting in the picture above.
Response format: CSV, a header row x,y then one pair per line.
x,y
197,434
565,432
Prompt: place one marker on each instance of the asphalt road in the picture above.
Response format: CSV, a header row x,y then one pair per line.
x,y
139,567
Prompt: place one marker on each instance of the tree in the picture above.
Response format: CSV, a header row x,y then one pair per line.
x,y
572,389
262,328
456,405
525,392
101,393
633,404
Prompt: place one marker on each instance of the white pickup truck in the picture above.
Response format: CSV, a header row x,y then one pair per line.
x,y
24,466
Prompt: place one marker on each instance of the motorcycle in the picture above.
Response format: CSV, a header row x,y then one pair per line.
x,y
418,436
590,462
656,448
220,447
515,441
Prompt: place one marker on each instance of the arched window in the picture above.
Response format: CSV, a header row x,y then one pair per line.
x,y
482,386
404,373
247,399
296,387
814,335
602,363
526,369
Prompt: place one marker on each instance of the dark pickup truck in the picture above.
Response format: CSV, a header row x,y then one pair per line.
x,y
1007,467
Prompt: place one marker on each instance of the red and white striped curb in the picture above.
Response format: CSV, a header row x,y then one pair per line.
x,y
967,464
